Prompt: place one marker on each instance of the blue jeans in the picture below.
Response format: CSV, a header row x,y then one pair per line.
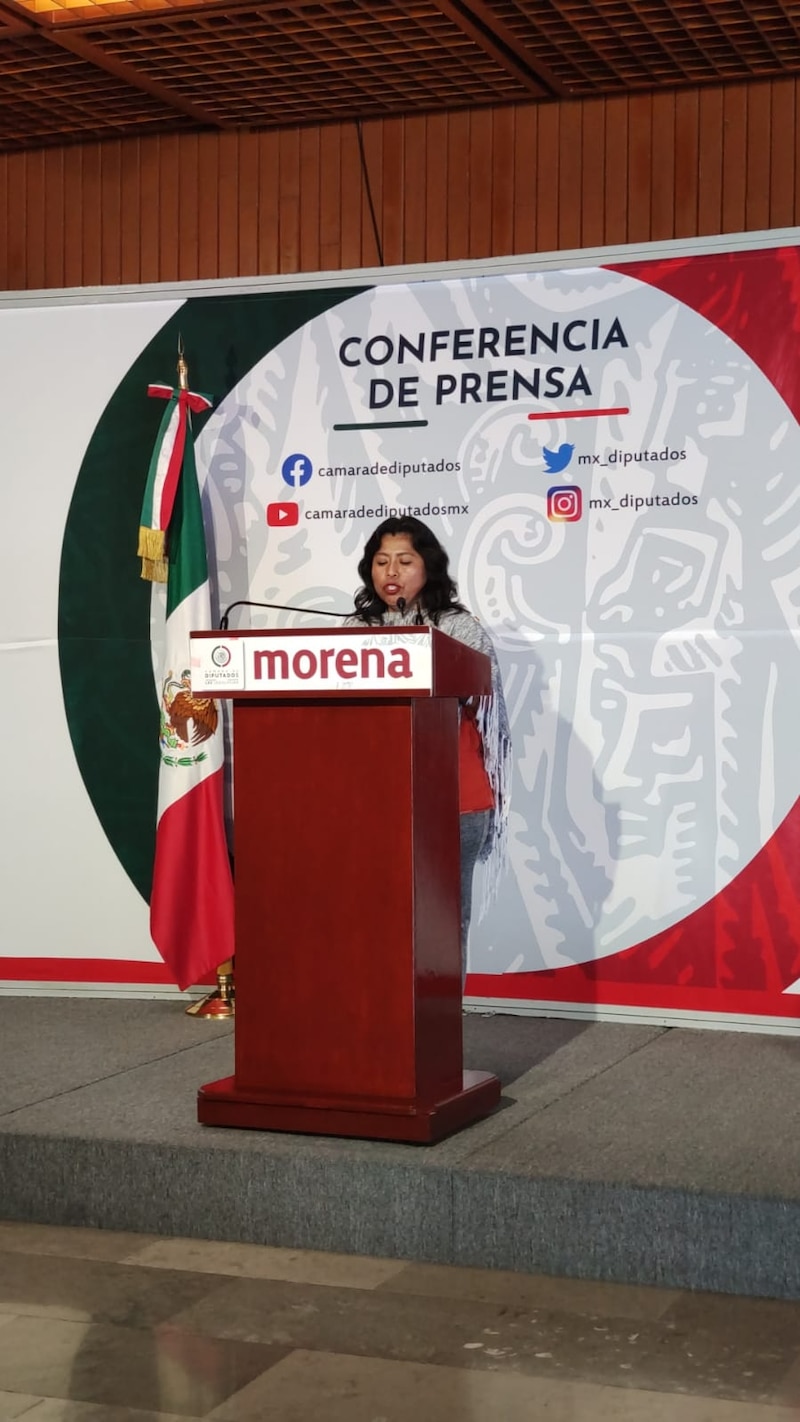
x,y
474,829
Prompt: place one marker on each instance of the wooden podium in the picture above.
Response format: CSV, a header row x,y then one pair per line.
x,y
347,875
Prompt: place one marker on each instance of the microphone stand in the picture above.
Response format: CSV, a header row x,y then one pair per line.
x,y
279,606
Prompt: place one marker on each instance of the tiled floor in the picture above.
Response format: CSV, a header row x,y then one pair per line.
x,y
102,1327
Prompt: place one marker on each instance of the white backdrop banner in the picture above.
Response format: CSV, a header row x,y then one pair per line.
x,y
610,456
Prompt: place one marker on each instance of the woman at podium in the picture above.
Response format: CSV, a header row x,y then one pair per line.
x,y
405,581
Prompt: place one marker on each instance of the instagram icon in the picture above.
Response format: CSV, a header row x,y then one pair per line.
x,y
564,503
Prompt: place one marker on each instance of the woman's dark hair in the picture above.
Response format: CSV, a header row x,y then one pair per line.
x,y
439,594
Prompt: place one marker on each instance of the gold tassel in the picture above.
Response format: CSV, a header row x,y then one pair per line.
x,y
152,553
155,570
151,542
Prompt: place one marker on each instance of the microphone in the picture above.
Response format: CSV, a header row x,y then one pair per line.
x,y
401,605
279,606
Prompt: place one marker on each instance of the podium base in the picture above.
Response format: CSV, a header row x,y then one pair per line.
x,y
220,1103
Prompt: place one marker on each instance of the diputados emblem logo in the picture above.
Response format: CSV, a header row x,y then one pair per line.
x,y
564,503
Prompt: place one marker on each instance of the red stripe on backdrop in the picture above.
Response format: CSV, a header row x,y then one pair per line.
x,y
103,971
82,970
736,953
566,986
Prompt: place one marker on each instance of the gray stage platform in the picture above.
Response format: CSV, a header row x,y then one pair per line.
x,y
626,1153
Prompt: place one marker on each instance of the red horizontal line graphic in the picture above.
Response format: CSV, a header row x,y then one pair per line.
x,y
577,414
86,970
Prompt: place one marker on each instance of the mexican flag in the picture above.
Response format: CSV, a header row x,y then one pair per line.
x,y
191,905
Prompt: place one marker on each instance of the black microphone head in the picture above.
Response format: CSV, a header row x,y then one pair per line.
x,y
401,604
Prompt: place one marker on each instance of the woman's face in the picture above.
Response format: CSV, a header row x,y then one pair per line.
x,y
398,570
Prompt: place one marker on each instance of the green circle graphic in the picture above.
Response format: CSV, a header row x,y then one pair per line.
x,y
104,605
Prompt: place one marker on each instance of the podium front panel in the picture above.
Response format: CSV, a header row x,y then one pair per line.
x,y
347,899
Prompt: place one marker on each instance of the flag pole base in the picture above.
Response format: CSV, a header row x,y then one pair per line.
x,y
219,1003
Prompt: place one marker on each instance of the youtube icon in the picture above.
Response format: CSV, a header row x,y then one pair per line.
x,y
283,515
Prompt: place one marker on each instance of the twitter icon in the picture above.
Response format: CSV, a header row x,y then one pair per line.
x,y
558,459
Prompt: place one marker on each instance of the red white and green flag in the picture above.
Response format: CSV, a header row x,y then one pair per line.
x,y
191,905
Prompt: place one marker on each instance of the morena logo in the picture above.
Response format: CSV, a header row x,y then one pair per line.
x,y
342,663
564,503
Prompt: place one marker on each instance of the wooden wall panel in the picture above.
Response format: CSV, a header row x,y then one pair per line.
x,y
19,269
459,166
758,133
230,201
72,231
436,186
54,218
4,212
393,204
268,237
371,195
592,174
734,157
502,215
480,166
110,200
414,216
662,165
248,168
352,212
130,207
170,218
570,176
188,207
308,194
641,173
615,151
149,167
331,214
92,202
466,185
686,162
709,163
784,155
523,200
208,201
287,215
547,167
34,206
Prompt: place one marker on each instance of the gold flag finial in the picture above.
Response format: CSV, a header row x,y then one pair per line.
x,y
183,369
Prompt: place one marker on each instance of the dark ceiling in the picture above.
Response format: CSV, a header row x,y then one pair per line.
x,y
72,72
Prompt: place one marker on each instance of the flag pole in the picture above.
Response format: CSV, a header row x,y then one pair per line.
x,y
222,1001
191,902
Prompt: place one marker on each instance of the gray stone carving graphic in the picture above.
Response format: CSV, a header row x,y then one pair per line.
x,y
649,646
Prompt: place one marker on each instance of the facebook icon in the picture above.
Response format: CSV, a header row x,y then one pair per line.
x,y
296,470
